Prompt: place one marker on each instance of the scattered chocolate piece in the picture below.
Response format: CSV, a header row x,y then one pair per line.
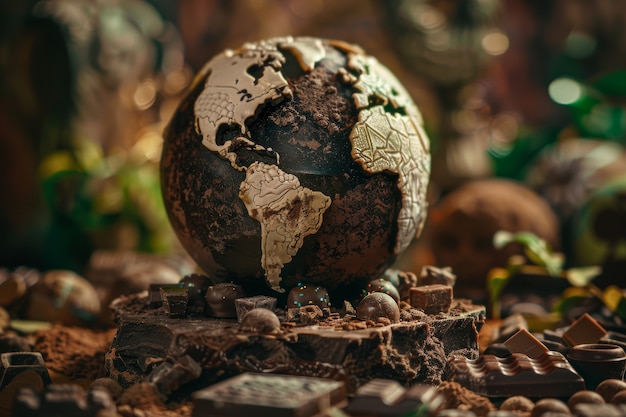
x,y
305,294
307,315
384,286
268,395
432,299
112,386
517,403
596,362
549,375
245,304
15,363
378,305
584,397
583,331
168,377
384,397
524,342
609,387
175,299
433,275
64,399
154,293
197,285
260,320
598,410
220,299
549,405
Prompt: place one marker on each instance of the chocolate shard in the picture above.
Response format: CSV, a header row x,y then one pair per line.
x,y
14,363
388,398
524,342
432,299
584,330
268,395
168,377
175,300
549,375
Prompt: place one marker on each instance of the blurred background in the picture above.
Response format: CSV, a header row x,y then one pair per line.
x,y
527,91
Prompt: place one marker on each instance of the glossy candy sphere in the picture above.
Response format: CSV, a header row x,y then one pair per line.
x,y
295,160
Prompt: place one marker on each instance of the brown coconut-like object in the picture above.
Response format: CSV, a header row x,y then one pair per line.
x,y
463,224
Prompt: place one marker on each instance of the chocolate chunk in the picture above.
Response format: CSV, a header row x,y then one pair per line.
x,y
154,293
168,377
245,304
549,375
175,300
384,397
307,315
432,275
14,363
63,399
268,395
524,342
584,330
220,300
378,305
432,299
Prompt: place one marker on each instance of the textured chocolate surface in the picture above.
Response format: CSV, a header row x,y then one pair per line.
x,y
340,348
549,375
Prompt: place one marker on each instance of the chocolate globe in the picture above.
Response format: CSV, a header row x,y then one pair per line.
x,y
295,160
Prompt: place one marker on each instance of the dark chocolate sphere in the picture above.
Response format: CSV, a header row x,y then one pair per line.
x,y
295,160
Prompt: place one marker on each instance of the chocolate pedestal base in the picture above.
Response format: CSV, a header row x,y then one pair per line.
x,y
339,347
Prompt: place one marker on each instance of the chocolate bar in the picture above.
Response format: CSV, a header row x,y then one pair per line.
x,y
549,375
268,395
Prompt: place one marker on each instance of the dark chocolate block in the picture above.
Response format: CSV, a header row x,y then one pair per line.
x,y
549,375
268,395
14,363
387,398
432,299
342,348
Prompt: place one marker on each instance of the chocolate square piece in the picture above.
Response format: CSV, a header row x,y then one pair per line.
x,y
268,395
526,343
154,293
14,363
388,398
432,299
245,304
584,330
175,299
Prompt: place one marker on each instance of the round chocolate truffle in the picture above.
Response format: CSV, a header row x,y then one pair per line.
x,y
609,387
220,299
304,295
384,286
260,320
549,405
378,305
296,159
584,397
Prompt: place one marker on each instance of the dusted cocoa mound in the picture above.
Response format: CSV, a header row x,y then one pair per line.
x,y
337,347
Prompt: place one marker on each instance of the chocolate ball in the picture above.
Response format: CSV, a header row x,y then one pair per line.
x,y
384,286
62,296
609,387
260,320
517,403
220,299
619,398
584,397
296,157
306,294
378,305
549,405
